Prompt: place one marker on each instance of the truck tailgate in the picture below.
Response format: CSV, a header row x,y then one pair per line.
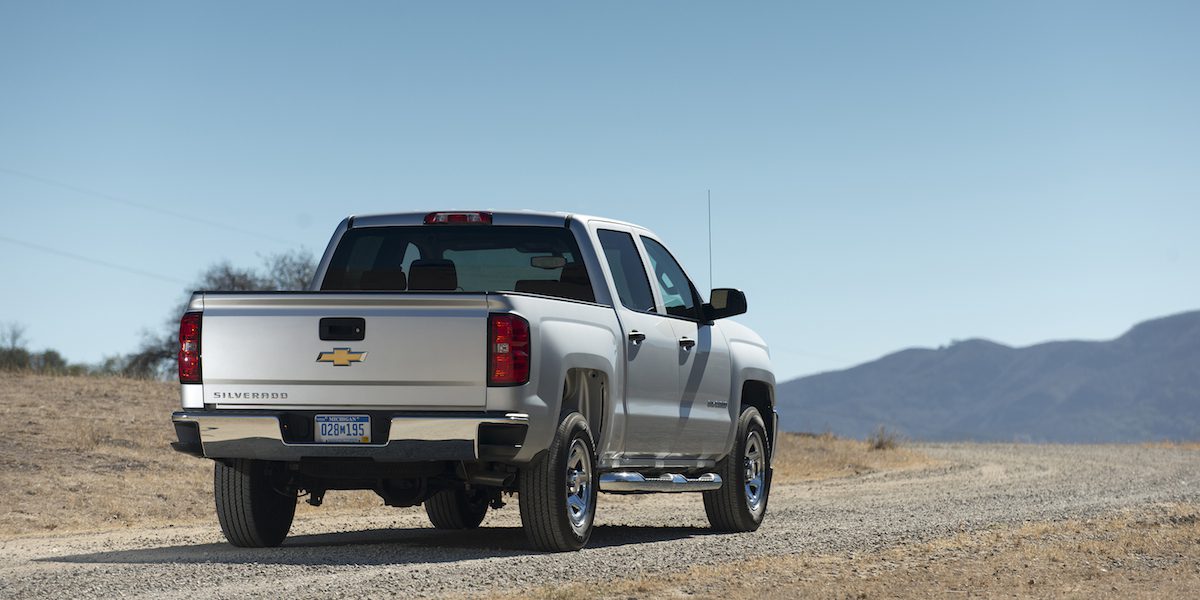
x,y
417,352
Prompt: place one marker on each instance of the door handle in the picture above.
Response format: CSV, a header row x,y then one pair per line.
x,y
686,343
637,337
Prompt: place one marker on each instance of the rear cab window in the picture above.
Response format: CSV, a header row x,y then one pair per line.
x,y
460,258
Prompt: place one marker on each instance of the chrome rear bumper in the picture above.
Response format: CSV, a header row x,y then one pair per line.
x,y
409,438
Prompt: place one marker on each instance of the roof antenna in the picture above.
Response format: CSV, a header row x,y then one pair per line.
x,y
710,279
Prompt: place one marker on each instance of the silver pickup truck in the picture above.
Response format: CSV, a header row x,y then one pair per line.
x,y
452,359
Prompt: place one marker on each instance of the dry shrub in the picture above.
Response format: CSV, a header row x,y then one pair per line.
x,y
882,439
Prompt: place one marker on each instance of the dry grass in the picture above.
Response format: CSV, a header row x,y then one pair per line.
x,y
93,453
1154,553
806,457
1174,445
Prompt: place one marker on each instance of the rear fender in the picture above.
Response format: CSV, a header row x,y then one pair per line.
x,y
565,337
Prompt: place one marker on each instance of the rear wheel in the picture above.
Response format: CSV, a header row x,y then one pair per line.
x,y
558,490
252,511
741,502
457,509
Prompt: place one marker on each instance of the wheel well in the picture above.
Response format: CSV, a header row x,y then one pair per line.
x,y
761,395
586,391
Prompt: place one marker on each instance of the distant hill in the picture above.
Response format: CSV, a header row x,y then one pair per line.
x,y
1142,386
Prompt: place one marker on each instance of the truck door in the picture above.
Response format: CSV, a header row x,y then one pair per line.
x,y
651,397
702,400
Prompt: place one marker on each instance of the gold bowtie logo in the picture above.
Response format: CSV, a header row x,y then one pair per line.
x,y
341,357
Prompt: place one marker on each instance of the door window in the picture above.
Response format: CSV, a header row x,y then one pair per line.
x,y
679,297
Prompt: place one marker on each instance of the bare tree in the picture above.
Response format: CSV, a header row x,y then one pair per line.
x,y
13,355
225,277
289,270
12,335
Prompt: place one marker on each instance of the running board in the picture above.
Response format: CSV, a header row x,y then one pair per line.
x,y
632,483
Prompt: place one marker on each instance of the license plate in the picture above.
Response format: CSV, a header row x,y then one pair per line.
x,y
343,429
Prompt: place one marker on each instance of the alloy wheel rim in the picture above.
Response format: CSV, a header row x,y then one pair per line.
x,y
754,464
579,486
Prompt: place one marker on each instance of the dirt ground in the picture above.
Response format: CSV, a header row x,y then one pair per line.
x,y
100,507
1147,553
93,454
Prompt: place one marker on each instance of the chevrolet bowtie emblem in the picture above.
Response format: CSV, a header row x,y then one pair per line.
x,y
341,357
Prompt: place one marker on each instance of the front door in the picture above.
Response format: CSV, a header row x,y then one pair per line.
x,y
703,415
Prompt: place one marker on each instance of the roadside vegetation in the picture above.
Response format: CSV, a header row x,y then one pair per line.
x,y
808,457
1174,445
15,356
883,439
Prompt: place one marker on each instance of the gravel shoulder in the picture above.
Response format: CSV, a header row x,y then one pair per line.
x,y
972,488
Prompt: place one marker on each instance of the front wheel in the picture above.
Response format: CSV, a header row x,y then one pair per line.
x,y
741,502
558,490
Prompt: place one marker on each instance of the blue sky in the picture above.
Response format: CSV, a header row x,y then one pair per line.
x,y
884,175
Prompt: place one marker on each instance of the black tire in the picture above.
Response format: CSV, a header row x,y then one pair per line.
x,y
736,506
551,522
253,514
457,509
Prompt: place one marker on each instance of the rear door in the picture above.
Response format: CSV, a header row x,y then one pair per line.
x,y
415,351
651,351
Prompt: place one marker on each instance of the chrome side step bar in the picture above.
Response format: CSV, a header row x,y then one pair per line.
x,y
632,483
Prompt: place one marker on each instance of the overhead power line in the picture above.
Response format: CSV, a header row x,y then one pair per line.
x,y
146,207
90,260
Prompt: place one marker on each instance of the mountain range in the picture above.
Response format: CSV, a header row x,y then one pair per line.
x,y
1141,386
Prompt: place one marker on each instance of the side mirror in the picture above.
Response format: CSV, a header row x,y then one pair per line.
x,y
725,302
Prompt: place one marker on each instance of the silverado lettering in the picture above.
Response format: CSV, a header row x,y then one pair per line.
x,y
248,395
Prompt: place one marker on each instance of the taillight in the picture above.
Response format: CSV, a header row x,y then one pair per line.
x,y
189,348
458,218
508,350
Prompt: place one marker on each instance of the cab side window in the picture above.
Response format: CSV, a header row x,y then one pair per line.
x,y
679,296
633,287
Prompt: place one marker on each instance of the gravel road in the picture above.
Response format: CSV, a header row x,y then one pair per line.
x,y
395,553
